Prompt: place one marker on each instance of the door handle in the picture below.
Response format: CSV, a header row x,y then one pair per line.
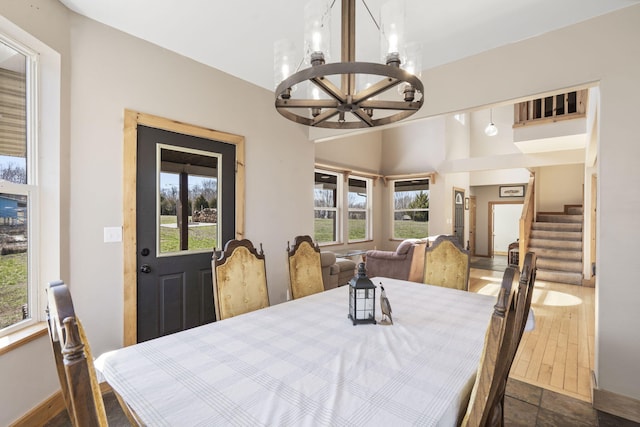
x,y
145,268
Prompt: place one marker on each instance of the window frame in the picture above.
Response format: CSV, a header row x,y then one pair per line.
x,y
337,209
393,204
367,209
30,189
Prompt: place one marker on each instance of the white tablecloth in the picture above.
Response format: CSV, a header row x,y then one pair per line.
x,y
304,363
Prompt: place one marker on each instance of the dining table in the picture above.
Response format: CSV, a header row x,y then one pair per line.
x,y
304,363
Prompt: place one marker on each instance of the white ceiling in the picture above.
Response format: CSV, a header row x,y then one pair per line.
x,y
237,36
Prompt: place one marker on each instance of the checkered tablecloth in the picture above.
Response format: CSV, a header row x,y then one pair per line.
x,y
304,363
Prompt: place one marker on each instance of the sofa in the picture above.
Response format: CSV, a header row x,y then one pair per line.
x,y
336,271
405,263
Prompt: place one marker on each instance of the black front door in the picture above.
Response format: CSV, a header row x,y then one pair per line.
x,y
185,208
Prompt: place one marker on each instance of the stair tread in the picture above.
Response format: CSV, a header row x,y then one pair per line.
x,y
560,218
568,226
556,244
559,276
557,254
557,235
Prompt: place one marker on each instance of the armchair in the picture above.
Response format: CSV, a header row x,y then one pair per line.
x,y
335,271
405,263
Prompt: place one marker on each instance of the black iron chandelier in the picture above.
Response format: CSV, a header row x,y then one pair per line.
x,y
349,94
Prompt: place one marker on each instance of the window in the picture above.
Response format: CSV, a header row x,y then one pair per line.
x,y
326,202
359,207
199,172
18,190
410,208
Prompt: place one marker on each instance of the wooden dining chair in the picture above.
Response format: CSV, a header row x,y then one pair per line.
x,y
523,297
447,264
74,362
239,279
305,267
523,304
485,406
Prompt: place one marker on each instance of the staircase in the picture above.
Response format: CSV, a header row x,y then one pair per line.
x,y
557,241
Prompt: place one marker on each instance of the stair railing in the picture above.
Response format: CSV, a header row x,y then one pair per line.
x,y
552,108
526,220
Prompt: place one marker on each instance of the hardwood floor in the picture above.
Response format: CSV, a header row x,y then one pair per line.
x,y
558,355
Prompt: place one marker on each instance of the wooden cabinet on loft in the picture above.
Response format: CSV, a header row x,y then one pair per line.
x,y
553,108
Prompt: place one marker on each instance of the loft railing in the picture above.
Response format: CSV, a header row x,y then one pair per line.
x,y
526,220
551,108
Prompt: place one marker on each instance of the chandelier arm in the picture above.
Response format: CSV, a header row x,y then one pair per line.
x,y
329,88
378,88
359,113
326,115
391,105
306,103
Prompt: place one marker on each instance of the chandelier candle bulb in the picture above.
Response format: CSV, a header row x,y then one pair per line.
x,y
317,36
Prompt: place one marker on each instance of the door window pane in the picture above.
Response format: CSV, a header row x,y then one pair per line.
x,y
188,201
203,226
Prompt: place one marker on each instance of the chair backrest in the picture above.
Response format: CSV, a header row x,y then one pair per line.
x,y
305,267
74,362
239,279
447,264
485,404
523,304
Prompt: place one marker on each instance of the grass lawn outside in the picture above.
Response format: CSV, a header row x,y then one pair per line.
x,y
200,237
410,229
13,288
402,229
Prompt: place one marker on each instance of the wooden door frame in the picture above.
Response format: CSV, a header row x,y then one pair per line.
x,y
490,221
131,121
472,225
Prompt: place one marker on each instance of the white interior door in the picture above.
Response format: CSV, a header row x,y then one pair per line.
x,y
506,219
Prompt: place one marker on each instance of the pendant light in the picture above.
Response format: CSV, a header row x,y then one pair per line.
x,y
491,129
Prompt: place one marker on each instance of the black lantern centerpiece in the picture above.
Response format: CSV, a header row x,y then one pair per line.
x,y
362,298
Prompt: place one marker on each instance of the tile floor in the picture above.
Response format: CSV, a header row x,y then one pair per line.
x,y
528,405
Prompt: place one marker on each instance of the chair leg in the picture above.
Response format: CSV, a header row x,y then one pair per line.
x,y
131,415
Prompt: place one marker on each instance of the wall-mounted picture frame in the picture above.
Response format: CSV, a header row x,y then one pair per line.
x,y
512,191
466,203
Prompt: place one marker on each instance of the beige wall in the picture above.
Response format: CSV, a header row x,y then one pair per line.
x,y
557,186
110,71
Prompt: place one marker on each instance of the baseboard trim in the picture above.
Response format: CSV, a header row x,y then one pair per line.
x,y
613,403
48,409
42,413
